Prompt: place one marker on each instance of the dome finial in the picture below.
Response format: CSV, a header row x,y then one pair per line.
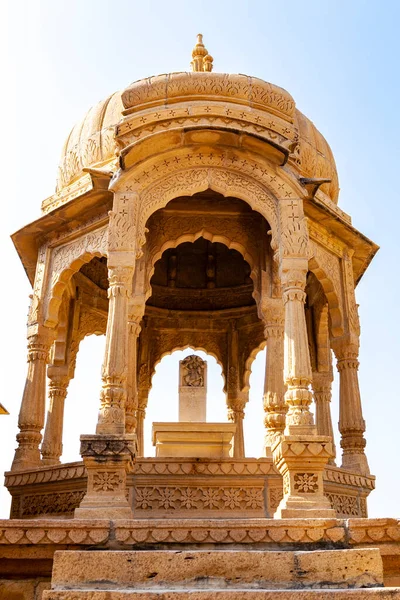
x,y
202,61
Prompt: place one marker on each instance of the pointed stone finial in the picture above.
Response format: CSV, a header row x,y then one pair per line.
x,y
202,61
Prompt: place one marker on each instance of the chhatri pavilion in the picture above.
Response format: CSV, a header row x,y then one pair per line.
x,y
196,209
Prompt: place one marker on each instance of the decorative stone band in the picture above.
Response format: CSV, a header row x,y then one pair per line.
x,y
108,446
345,533
145,466
347,363
294,294
306,450
37,351
234,413
274,330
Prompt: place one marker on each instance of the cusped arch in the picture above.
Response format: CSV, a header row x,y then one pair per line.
x,y
60,281
331,294
182,347
193,237
66,260
194,180
249,363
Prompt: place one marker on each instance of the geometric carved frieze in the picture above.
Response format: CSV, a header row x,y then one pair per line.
x,y
56,503
194,498
346,505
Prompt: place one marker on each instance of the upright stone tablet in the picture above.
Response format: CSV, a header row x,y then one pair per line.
x,y
192,389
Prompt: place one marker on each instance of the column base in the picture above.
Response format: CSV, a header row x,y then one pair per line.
x,y
301,508
301,460
357,463
108,459
27,455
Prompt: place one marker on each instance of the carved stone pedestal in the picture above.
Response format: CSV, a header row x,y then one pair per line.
x,y
301,460
201,440
108,459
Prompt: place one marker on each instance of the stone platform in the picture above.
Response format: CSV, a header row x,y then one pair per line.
x,y
370,594
28,547
249,574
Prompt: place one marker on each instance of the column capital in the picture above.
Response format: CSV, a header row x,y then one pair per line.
x,y
322,381
120,281
294,273
346,351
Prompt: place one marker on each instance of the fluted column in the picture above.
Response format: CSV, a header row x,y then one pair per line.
x,y
322,388
114,372
297,366
351,421
274,387
32,412
52,440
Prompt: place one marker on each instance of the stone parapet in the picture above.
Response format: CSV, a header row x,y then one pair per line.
x,y
55,491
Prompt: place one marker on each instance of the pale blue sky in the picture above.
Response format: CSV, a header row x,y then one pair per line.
x,y
339,60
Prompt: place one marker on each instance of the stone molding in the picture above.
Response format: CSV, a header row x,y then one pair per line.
x,y
49,531
105,446
173,87
346,533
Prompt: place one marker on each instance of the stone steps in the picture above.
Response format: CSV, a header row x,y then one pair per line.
x,y
238,594
219,575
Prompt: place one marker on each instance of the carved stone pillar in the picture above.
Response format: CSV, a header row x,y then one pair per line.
x,y
52,439
322,388
236,415
236,400
297,366
301,455
274,387
143,398
351,422
32,412
114,373
108,455
132,388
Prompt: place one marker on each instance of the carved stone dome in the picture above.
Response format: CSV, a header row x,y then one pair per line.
x,y
91,142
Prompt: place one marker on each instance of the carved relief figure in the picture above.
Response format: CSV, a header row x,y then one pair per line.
x,y
193,371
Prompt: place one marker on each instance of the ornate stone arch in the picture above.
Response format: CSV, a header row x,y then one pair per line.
x,y
249,362
326,268
66,260
90,323
156,360
193,180
192,237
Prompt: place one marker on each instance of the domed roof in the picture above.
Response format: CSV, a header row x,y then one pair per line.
x,y
91,142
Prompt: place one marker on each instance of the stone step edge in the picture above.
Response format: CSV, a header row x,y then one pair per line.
x,y
286,569
239,594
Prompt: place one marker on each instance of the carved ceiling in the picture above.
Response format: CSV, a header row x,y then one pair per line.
x,y
96,271
201,276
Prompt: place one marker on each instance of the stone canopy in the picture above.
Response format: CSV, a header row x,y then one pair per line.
x,y
198,209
